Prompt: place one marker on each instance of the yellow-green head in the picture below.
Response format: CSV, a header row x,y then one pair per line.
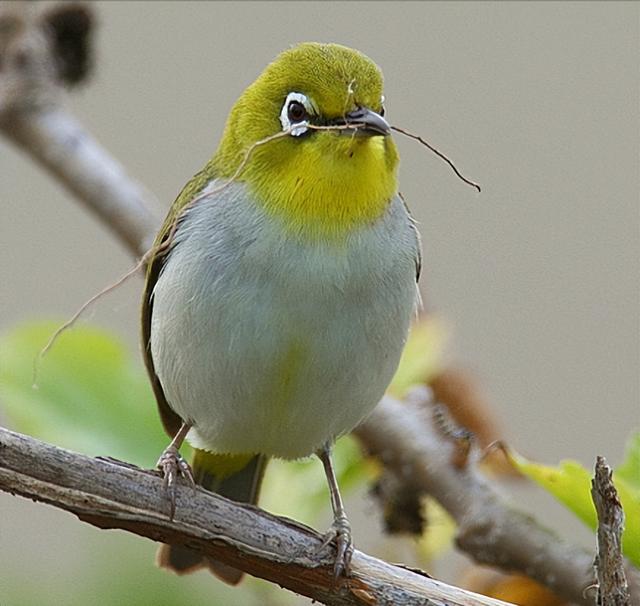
x,y
319,182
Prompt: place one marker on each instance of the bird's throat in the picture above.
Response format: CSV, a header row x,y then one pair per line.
x,y
331,189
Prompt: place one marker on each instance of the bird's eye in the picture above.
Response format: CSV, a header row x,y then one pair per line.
x,y
382,110
296,112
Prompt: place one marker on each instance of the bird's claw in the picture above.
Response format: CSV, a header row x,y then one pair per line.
x,y
340,534
172,466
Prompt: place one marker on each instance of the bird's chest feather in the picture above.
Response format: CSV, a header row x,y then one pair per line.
x,y
257,334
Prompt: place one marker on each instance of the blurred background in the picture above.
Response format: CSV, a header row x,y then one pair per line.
x,y
536,278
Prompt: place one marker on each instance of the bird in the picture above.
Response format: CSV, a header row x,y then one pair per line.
x,y
282,285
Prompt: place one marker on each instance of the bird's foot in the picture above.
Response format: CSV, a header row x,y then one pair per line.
x,y
340,534
173,466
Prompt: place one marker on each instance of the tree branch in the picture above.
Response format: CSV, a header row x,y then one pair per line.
x,y
609,564
408,441
110,494
33,116
54,139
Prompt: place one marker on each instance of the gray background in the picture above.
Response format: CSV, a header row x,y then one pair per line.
x,y
537,276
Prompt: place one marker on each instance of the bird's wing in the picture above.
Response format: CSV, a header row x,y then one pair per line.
x,y
416,233
170,420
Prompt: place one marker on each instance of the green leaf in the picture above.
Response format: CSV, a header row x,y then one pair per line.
x,y
299,488
570,483
423,354
629,471
91,396
630,498
439,533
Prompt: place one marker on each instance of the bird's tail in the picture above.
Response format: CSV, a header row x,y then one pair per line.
x,y
237,477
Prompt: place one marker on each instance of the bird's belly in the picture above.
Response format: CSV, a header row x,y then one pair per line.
x,y
286,380
278,352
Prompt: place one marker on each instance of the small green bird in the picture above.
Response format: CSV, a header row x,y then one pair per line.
x,y
275,317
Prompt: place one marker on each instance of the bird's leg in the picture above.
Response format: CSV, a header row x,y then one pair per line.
x,y
173,465
340,531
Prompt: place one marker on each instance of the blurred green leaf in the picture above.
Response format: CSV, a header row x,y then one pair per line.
x,y
90,396
439,532
422,356
570,483
629,471
630,499
299,488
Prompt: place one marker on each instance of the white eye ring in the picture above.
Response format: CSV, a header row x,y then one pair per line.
x,y
297,128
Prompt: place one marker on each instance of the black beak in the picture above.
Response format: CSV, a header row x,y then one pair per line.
x,y
372,123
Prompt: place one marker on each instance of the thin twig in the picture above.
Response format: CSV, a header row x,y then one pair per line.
x,y
166,243
612,588
438,153
141,264
206,193
74,318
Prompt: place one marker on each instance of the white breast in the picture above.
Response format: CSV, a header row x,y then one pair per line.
x,y
271,345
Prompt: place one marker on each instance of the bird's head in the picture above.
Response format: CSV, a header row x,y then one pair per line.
x,y
325,181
